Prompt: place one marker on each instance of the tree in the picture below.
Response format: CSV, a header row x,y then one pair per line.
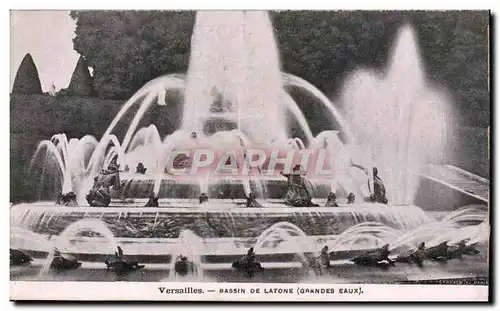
x,y
27,80
129,48
468,73
81,81
126,49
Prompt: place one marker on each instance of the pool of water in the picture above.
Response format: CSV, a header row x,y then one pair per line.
x,y
471,269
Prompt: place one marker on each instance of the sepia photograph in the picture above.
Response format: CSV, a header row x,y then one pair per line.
x,y
292,155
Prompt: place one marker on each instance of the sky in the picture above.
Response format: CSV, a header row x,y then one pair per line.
x,y
47,36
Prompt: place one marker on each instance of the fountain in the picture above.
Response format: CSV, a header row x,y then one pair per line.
x,y
235,99
467,222
190,246
282,232
407,126
365,235
21,238
70,157
63,240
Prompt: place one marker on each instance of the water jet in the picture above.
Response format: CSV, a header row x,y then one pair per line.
x,y
236,99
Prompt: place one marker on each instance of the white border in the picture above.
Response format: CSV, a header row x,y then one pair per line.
x,y
257,5
214,4
145,291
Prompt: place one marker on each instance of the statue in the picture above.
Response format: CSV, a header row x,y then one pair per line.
x,y
248,264
121,266
297,194
251,201
183,266
412,256
378,194
152,201
68,199
351,198
62,261
331,200
324,260
250,255
203,198
439,252
19,258
375,257
100,194
140,169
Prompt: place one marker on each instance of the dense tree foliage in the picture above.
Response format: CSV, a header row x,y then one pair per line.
x,y
81,81
128,48
27,80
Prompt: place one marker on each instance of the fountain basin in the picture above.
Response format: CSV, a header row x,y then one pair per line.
x,y
217,219
290,271
184,187
219,233
213,249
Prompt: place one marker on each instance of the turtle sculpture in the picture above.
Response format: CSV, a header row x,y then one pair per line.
x,y
119,265
376,257
414,256
439,252
183,266
248,265
62,261
460,249
19,258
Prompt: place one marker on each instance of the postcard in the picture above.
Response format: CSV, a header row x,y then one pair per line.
x,y
250,155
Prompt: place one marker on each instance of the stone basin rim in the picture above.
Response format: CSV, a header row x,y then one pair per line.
x,y
212,208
